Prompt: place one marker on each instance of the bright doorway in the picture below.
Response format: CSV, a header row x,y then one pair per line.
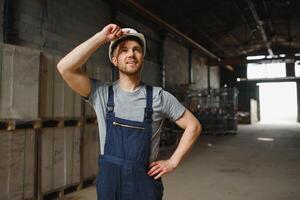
x,y
278,102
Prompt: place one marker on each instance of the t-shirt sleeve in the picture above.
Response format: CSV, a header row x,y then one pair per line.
x,y
95,86
171,107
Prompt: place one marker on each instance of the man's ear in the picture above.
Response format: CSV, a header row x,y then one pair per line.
x,y
114,61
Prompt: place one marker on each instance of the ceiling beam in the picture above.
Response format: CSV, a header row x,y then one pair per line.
x,y
243,61
242,17
265,80
211,40
269,20
260,27
228,33
221,23
163,24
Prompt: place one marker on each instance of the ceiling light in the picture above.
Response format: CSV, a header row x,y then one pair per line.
x,y
255,57
265,139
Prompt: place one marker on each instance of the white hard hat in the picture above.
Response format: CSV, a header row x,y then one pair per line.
x,y
131,34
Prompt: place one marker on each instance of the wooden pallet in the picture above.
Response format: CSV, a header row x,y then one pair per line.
x,y
11,125
91,120
59,193
60,123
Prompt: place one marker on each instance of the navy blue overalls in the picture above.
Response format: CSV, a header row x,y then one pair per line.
x,y
125,163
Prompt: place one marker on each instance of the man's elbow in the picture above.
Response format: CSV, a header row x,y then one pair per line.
x,y
196,128
61,68
64,70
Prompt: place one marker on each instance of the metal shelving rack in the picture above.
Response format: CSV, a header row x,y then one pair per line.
x,y
216,109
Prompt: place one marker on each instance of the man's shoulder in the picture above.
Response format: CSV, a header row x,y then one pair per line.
x,y
160,94
157,90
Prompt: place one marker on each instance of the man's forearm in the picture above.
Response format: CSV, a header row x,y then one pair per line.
x,y
187,140
78,56
161,167
69,66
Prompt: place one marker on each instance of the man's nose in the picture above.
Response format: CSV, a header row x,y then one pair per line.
x,y
130,52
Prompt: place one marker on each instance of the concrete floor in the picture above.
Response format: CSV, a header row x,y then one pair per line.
x,y
235,167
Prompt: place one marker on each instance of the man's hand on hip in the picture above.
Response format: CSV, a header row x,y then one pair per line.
x,y
161,167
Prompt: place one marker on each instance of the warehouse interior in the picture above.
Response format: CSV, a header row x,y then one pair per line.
x,y
234,64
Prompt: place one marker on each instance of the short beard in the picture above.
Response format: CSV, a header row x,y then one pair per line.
x,y
130,73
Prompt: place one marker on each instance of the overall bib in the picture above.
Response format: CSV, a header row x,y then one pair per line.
x,y
123,167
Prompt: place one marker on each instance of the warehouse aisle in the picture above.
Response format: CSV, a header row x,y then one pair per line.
x,y
261,162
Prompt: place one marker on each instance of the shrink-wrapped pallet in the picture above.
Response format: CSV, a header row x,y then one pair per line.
x,y
19,82
17,164
58,100
60,160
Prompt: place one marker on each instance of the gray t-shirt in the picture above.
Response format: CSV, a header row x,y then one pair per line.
x,y
131,105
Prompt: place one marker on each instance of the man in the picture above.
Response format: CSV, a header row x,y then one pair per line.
x,y
130,116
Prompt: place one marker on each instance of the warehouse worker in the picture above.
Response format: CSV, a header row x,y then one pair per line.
x,y
130,115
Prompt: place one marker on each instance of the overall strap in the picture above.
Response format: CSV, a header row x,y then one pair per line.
x,y
148,109
110,102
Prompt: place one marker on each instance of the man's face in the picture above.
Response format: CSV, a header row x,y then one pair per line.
x,y
128,57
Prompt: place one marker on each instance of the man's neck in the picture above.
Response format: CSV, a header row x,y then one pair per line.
x,y
129,83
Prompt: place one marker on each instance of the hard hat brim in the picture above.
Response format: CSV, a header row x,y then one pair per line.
x,y
129,36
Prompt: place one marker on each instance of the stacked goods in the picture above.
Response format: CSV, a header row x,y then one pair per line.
x,y
60,160
17,164
32,88
48,142
58,100
19,97
19,82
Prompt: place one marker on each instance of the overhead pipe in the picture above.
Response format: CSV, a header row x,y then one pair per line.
x,y
260,27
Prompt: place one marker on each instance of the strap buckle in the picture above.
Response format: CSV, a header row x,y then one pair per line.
x,y
110,107
148,113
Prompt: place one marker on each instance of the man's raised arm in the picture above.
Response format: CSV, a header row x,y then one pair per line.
x,y
69,66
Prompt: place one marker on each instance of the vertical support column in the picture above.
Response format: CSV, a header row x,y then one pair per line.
x,y
82,125
190,65
298,99
208,77
258,101
290,69
161,58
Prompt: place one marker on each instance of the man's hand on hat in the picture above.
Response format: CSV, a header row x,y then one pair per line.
x,y
112,32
